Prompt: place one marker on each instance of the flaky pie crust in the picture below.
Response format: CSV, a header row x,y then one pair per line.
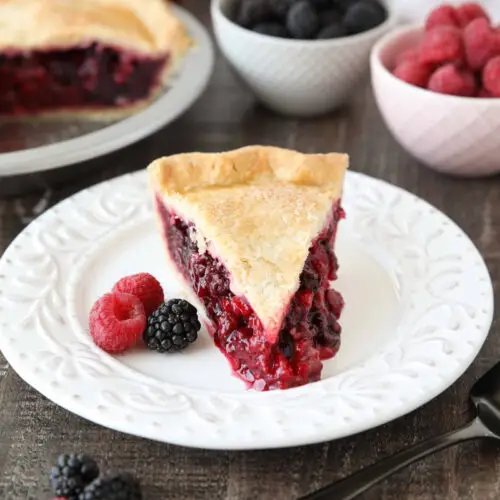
x,y
145,26
258,209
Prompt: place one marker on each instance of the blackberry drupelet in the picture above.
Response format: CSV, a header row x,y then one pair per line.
x,y
280,8
172,327
251,12
115,486
302,20
71,474
320,4
342,5
329,17
332,31
271,29
363,16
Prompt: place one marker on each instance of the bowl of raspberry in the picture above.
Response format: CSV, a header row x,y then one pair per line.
x,y
438,89
300,58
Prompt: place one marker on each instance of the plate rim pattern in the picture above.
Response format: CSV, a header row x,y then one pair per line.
x,y
448,312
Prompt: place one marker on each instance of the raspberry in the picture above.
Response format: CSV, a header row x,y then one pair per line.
x,y
335,301
491,77
467,12
446,15
450,80
145,287
481,43
414,72
407,55
117,321
442,45
484,94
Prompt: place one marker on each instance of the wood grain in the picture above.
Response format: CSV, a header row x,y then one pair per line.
x,y
33,431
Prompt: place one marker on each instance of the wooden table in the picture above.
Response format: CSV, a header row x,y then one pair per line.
x,y
33,431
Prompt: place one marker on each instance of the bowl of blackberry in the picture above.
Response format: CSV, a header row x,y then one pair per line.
x,y
300,57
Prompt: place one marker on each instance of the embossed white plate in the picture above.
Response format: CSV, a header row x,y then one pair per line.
x,y
419,306
38,146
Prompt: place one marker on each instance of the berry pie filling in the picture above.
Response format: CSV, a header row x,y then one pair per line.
x,y
93,76
310,331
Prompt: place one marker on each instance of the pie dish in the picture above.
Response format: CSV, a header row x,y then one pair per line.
x,y
252,232
98,58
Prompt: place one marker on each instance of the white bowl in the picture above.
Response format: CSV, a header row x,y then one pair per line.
x,y
454,135
295,77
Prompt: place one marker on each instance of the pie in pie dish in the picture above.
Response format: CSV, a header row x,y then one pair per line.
x,y
252,233
99,58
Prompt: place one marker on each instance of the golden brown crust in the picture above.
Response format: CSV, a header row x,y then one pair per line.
x,y
92,115
258,209
251,164
145,26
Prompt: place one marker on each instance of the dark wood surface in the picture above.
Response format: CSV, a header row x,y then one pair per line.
x,y
33,431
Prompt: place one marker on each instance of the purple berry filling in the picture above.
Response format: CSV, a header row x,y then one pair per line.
x,y
310,331
94,76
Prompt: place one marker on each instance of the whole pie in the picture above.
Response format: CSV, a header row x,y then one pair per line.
x,y
252,233
100,58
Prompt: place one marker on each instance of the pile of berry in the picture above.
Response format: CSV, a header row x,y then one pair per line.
x,y
309,19
459,54
135,310
77,477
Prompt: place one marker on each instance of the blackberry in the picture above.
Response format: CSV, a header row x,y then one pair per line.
x,y
302,20
251,12
342,5
286,345
280,8
115,486
321,4
71,474
172,327
271,29
328,17
309,279
332,31
363,16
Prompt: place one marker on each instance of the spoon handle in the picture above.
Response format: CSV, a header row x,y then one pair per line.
x,y
356,484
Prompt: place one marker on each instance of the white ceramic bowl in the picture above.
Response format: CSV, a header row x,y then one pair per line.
x,y
454,135
295,77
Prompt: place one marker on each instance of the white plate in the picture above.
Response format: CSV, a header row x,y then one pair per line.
x,y
85,140
419,306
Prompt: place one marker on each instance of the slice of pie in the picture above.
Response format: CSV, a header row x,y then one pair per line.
x,y
252,232
99,58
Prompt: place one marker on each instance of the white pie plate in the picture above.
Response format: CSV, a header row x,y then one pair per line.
x,y
66,142
419,306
